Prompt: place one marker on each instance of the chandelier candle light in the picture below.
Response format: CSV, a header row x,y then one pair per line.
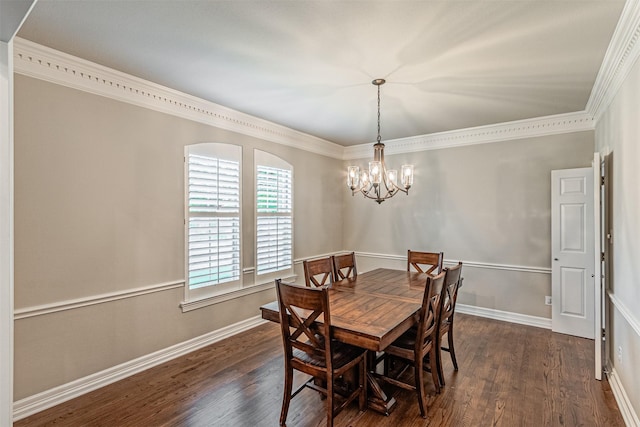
x,y
379,183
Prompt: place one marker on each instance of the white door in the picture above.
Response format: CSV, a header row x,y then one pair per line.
x,y
572,252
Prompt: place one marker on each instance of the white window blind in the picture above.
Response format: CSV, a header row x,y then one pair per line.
x,y
213,200
274,219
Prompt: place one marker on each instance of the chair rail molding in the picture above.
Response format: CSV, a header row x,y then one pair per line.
x,y
625,312
476,264
54,307
39,310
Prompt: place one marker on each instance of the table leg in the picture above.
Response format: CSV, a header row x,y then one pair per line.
x,y
379,401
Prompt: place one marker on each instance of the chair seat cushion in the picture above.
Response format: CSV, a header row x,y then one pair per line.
x,y
406,340
342,354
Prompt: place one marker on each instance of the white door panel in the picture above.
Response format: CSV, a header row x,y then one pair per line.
x,y
572,252
573,292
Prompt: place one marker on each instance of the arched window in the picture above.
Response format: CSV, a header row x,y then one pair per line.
x,y
274,216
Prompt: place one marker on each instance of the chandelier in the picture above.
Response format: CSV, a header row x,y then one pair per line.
x,y
379,183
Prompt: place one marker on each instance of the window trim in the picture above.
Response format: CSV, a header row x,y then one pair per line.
x,y
265,158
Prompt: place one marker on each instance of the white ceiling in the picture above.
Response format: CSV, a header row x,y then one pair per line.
x,y
308,65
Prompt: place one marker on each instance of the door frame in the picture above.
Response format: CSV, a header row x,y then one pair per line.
x,y
598,183
6,233
603,238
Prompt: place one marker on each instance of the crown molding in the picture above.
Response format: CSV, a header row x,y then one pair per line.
x,y
529,128
41,62
621,55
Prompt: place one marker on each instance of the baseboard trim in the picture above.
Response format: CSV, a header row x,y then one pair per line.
x,y
626,409
52,397
57,395
505,316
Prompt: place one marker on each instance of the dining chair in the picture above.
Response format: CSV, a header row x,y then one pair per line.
x,y
432,261
417,343
309,347
318,272
344,266
452,283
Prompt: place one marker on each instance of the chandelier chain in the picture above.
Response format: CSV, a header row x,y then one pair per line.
x,y
379,137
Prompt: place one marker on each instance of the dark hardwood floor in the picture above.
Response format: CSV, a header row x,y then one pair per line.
x,y
510,375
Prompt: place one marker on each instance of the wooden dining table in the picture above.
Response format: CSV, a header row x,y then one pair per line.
x,y
371,311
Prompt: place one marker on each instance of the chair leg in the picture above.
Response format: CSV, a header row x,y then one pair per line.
x,y
452,350
329,401
420,387
434,368
362,383
439,362
288,385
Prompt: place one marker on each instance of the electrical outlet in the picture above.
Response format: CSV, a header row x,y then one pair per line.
x,y
620,354
547,300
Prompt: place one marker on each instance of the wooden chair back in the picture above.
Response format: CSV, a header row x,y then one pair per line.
x,y
452,282
318,272
344,266
414,345
300,310
429,320
305,322
450,293
432,261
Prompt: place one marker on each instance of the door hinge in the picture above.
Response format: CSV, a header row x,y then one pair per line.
x,y
602,180
602,256
604,336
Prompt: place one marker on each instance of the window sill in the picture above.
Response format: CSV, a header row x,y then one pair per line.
x,y
229,295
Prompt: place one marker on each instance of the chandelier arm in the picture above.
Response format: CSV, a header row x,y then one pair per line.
x,y
367,195
396,188
376,193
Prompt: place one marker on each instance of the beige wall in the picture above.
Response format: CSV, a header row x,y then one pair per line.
x,y
487,204
99,209
618,135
